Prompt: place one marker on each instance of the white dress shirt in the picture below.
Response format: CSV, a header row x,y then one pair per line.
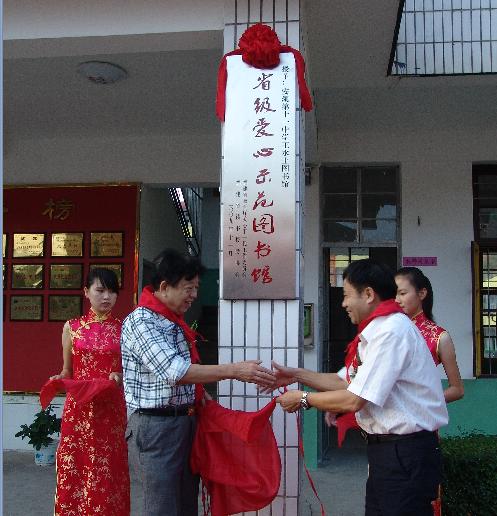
x,y
398,379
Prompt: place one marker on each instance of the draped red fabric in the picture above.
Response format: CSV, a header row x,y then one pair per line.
x,y
83,391
236,455
261,48
348,421
148,300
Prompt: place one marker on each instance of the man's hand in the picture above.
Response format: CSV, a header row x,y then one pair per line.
x,y
252,372
117,377
290,401
283,376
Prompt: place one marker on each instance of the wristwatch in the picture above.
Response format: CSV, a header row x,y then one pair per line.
x,y
304,403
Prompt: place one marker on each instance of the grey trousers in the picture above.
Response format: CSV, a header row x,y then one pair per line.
x,y
159,451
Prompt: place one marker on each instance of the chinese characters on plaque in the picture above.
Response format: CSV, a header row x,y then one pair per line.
x,y
67,244
63,308
26,308
27,276
27,245
66,276
106,244
259,182
43,277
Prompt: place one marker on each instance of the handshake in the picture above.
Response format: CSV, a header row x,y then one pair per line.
x,y
270,380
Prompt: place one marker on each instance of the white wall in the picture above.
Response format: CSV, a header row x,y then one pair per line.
x,y
152,158
436,167
18,410
32,19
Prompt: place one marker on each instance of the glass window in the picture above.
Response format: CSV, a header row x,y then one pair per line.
x,y
340,231
379,180
379,206
340,206
379,230
339,180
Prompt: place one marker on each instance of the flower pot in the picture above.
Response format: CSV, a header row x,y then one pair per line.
x,y
45,456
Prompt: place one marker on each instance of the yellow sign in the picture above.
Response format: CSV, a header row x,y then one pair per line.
x,y
63,308
106,244
66,276
26,308
28,244
67,244
27,275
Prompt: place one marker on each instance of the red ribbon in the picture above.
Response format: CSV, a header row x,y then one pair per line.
x,y
261,48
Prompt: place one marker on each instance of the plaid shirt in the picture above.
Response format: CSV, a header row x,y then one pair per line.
x,y
155,357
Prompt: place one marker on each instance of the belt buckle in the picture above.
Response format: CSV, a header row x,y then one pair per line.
x,y
191,411
364,434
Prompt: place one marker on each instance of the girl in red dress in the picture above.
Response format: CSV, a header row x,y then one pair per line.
x,y
92,460
415,296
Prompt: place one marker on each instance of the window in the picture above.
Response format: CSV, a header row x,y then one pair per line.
x,y
485,268
445,37
360,205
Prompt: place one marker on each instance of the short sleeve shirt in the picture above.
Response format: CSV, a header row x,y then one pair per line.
x,y
398,379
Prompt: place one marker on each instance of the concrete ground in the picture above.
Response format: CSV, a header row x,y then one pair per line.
x,y
28,490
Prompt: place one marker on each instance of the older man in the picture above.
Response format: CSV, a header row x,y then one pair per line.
x,y
159,373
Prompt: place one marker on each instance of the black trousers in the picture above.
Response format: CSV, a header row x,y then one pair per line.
x,y
403,476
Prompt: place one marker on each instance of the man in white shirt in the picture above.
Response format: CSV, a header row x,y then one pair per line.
x,y
393,387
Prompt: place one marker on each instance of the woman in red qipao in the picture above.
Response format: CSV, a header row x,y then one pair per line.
x,y
92,461
415,296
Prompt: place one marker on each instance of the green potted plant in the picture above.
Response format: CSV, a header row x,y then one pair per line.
x,y
45,424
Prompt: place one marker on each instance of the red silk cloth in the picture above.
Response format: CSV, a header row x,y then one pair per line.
x,y
148,300
92,457
260,47
236,455
348,421
82,391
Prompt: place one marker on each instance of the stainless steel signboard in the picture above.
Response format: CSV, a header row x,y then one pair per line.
x,y
258,185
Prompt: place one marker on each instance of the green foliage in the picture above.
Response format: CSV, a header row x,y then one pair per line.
x,y
469,487
39,432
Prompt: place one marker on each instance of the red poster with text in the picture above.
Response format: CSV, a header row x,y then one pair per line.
x,y
52,236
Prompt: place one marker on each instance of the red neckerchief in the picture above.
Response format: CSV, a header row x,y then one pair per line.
x,y
390,306
148,300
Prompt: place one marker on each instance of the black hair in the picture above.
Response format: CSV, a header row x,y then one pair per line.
x,y
172,266
419,281
107,278
370,273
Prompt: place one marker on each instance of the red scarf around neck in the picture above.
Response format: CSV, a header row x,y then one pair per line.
x,y
348,420
390,306
148,300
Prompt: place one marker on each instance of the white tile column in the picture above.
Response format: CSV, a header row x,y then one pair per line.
x,y
267,329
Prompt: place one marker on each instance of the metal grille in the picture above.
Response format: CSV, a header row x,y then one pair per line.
x,y
188,204
445,37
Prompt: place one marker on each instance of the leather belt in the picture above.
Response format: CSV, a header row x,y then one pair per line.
x,y
171,411
384,438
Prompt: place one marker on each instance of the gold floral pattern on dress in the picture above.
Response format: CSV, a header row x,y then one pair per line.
x,y
92,467
431,333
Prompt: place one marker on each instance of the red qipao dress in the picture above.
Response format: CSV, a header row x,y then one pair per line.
x,y
431,333
92,458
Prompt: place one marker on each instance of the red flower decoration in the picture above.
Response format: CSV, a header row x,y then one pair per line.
x,y
260,46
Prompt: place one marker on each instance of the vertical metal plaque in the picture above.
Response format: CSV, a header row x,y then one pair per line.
x,y
259,192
